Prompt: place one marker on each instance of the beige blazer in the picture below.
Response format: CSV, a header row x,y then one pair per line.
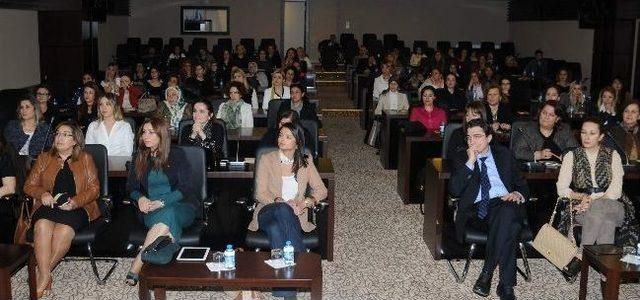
x,y
269,187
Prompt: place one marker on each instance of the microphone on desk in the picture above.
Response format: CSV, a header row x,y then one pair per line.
x,y
237,165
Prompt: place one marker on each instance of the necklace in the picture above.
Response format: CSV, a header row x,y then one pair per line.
x,y
285,160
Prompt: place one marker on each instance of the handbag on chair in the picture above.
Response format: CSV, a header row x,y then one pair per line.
x,y
553,245
23,225
147,105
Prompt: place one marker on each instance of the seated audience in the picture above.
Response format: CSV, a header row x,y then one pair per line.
x,y
511,67
28,135
552,94
263,62
437,62
8,176
489,76
381,83
174,109
186,70
574,102
225,64
290,57
174,58
491,188
282,179
200,85
129,94
608,107
240,58
139,76
451,98
537,67
474,89
458,140
416,57
303,57
498,113
235,112
623,96
88,110
238,75
429,115
392,99
273,55
277,89
301,105
204,57
79,91
152,58
591,177
546,139
291,76
44,97
563,82
64,186
110,129
159,183
154,84
434,80
505,89
259,76
205,132
626,135
111,82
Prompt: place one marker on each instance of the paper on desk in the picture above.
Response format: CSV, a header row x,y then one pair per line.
x,y
217,267
631,259
277,263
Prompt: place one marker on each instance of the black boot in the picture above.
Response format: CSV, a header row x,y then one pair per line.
x,y
506,293
482,286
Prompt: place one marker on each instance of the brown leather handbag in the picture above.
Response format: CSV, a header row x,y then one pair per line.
x,y
553,245
24,224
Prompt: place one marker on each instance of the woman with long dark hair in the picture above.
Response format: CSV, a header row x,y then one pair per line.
x,y
88,110
159,183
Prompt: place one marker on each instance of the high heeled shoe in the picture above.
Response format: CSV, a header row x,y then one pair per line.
x,y
46,291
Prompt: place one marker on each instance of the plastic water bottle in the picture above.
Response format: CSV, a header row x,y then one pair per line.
x,y
229,258
287,253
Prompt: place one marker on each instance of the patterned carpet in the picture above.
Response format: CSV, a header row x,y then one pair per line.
x,y
379,252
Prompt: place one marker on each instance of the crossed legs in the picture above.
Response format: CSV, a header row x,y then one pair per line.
x,y
51,242
154,232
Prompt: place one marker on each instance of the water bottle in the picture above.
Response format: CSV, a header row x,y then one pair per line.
x,y
287,253
229,258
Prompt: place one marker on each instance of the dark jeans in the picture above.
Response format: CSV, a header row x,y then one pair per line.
x,y
281,224
503,224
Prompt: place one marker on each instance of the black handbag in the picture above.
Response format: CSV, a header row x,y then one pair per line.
x,y
161,251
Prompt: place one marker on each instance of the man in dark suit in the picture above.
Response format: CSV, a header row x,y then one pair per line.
x,y
488,181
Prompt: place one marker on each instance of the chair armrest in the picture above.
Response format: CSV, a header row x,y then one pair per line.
x,y
248,205
106,206
320,206
12,196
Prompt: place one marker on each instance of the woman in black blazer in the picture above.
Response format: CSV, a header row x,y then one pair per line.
x,y
299,103
498,113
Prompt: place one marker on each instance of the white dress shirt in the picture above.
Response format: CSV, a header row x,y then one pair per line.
x,y
267,96
119,142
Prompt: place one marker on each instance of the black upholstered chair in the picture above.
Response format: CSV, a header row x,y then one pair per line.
x,y
311,127
272,113
259,240
448,130
190,235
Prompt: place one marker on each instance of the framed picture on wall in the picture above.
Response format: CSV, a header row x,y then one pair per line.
x,y
204,20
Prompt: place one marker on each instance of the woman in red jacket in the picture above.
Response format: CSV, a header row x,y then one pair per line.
x,y
128,94
428,114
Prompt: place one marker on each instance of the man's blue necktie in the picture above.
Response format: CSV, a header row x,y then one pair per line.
x,y
485,186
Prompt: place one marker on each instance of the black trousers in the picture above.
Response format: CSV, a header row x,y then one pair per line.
x,y
503,224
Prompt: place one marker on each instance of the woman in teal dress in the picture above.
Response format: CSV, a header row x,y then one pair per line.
x,y
159,182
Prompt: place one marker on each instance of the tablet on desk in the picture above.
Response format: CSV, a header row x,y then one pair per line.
x,y
193,254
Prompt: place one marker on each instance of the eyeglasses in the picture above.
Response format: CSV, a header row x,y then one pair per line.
x,y
63,134
42,94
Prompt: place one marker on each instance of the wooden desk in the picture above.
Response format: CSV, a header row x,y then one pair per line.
x,y
608,265
412,155
438,217
251,272
259,117
389,137
324,166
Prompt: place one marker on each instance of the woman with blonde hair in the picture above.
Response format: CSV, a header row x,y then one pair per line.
x,y
110,129
28,135
238,75
575,100
608,107
277,90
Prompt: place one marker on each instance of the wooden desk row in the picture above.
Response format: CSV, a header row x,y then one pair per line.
x,y
436,192
117,169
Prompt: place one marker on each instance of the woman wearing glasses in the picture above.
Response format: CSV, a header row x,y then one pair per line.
x,y
235,112
64,185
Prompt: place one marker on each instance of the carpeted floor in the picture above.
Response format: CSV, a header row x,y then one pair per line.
x,y
379,252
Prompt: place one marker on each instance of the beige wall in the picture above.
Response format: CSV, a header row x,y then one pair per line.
x,y
19,48
111,33
248,19
557,39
